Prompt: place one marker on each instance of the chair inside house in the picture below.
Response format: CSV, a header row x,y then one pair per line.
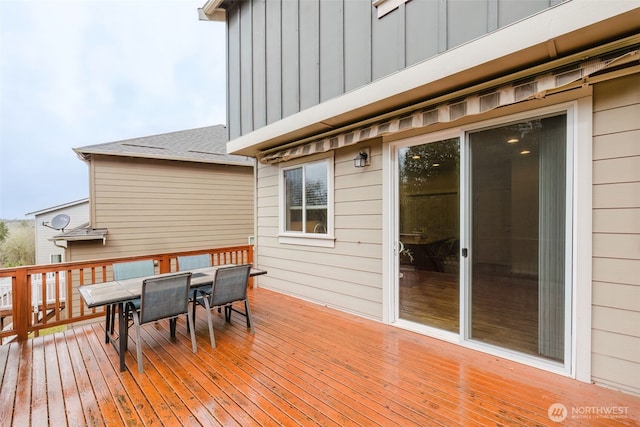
x,y
127,270
162,297
230,285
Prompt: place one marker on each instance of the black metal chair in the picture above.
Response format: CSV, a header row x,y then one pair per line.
x,y
163,297
229,286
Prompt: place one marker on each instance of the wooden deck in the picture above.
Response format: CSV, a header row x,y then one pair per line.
x,y
306,365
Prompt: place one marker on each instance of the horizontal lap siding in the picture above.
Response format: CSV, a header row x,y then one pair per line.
x,y
154,206
616,233
347,276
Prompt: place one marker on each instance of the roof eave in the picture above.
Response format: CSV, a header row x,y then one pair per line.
x,y
211,11
86,155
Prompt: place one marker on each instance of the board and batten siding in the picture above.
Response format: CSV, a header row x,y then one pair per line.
x,y
154,206
289,55
616,233
348,276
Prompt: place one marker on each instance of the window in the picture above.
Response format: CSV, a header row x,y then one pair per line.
x,y
54,259
307,202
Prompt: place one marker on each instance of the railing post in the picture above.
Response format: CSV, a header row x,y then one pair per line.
x,y
21,305
165,264
252,282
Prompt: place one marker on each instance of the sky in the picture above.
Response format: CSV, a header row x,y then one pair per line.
x,y
82,72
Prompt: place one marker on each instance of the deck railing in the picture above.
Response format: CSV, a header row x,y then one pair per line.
x,y
24,311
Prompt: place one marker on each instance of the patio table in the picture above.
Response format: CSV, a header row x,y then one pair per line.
x,y
121,291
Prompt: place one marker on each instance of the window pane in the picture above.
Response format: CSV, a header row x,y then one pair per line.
x,y
518,236
429,220
293,199
316,184
316,198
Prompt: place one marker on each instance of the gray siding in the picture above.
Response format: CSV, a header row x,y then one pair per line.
x,y
259,62
273,66
233,76
289,82
310,55
357,45
289,55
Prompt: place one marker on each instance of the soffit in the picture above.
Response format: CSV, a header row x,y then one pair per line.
x,y
83,232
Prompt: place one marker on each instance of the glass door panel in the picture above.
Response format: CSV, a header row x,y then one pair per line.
x,y
429,225
517,229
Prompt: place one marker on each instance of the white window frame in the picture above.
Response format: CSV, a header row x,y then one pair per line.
x,y
301,238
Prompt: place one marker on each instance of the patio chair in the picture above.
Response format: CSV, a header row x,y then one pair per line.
x,y
190,262
127,270
229,286
164,297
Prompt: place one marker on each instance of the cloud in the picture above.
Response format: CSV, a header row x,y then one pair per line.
x,y
75,73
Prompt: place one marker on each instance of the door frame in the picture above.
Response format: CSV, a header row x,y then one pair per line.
x,y
578,107
394,315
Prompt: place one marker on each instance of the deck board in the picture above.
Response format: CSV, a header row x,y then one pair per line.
x,y
306,365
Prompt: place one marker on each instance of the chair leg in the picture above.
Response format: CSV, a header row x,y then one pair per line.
x,y
113,317
247,310
192,328
193,312
210,321
136,322
107,321
110,317
172,327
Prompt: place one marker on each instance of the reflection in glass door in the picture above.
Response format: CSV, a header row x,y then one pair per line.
x,y
429,226
517,229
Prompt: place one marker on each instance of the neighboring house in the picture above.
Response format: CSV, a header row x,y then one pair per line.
x,y
172,192
47,251
498,204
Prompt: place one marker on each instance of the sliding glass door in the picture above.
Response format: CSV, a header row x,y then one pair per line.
x,y
505,284
517,231
429,224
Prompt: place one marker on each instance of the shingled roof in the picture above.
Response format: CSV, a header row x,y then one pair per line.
x,y
205,145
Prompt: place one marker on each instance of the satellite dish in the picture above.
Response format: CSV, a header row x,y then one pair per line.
x,y
59,222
